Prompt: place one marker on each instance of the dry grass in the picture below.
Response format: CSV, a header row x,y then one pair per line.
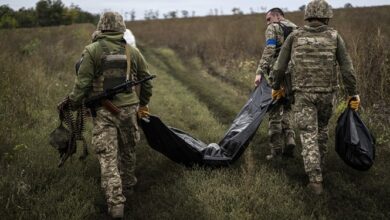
x,y
230,46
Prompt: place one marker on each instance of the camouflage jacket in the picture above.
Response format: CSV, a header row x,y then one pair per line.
x,y
316,80
274,36
90,69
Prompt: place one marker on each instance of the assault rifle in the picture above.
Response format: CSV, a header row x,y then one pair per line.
x,y
104,99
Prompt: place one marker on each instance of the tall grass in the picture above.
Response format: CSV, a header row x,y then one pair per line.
x,y
230,46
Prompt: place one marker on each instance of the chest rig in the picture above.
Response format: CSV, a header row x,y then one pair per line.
x,y
314,60
114,69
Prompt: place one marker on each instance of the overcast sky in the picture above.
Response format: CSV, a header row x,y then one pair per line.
x,y
201,7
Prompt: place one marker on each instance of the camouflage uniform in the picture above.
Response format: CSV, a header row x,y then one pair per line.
x,y
114,137
279,117
314,51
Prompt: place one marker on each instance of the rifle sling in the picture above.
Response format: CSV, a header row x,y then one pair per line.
x,y
109,106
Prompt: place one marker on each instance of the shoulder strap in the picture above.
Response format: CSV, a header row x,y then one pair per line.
x,y
286,30
128,57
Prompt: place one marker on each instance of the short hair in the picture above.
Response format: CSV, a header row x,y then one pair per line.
x,y
276,10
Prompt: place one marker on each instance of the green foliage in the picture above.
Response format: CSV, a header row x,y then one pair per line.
x,y
8,22
26,17
46,13
7,19
49,12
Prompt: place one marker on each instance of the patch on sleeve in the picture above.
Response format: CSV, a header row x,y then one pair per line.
x,y
271,42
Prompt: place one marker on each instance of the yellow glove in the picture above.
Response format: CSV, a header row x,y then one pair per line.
x,y
278,94
354,102
143,111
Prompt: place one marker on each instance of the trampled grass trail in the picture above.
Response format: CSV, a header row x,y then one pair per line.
x,y
186,97
197,193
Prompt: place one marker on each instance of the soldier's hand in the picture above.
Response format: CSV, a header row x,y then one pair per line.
x,y
278,94
354,102
258,80
143,111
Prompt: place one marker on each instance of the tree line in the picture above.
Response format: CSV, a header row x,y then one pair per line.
x,y
45,13
54,12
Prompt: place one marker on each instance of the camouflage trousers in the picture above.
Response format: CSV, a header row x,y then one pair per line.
x,y
312,114
114,139
279,127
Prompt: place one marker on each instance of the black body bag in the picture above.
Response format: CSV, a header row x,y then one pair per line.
x,y
354,142
183,148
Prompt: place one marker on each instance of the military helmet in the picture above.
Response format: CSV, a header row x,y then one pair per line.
x,y
111,21
318,9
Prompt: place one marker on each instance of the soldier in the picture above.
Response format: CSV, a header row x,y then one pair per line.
x,y
280,134
314,52
106,62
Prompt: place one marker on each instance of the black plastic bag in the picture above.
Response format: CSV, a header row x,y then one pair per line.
x,y
354,142
182,148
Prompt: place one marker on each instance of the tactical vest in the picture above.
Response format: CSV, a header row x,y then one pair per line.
x,y
114,70
313,59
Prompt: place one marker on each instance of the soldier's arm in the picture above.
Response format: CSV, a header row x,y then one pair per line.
x,y
83,81
280,67
346,68
142,71
269,51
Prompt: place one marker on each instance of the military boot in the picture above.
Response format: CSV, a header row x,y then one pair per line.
x,y
315,188
289,140
116,211
276,144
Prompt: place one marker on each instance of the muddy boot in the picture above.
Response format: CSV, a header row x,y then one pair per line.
x,y
116,211
315,188
275,153
289,140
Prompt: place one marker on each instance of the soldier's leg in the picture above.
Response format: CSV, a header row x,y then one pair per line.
x,y
130,136
306,118
325,109
288,132
276,141
104,140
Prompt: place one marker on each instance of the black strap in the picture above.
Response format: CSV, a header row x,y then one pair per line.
x,y
286,30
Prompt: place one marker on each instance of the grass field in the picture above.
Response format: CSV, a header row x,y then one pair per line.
x,y
231,46
37,69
